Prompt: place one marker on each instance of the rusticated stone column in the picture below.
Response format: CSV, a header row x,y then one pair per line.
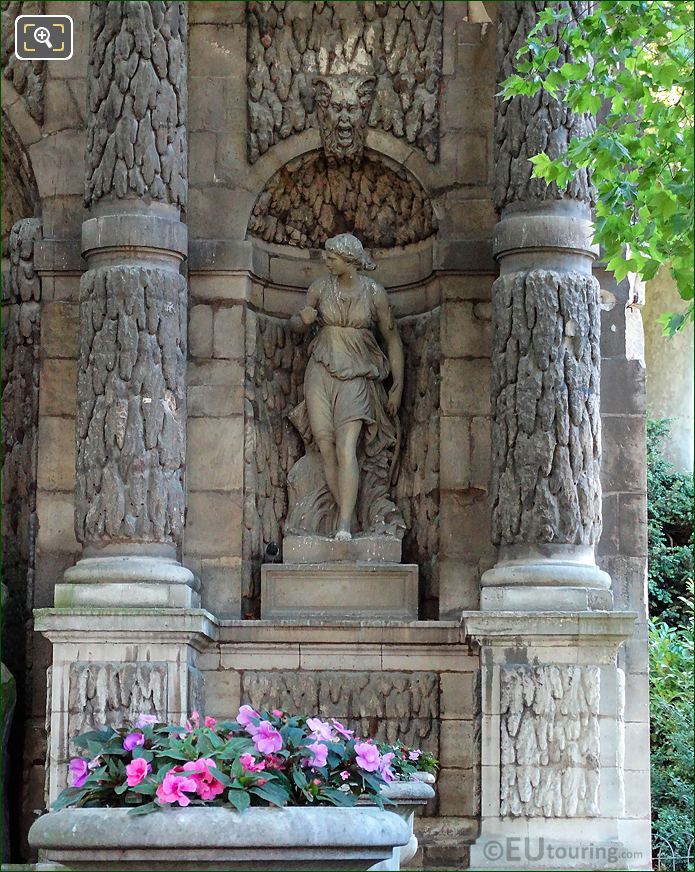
x,y
131,417
546,492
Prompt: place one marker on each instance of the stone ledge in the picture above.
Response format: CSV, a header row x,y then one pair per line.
x,y
558,628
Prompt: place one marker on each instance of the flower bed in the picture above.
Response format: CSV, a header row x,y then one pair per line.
x,y
261,758
207,773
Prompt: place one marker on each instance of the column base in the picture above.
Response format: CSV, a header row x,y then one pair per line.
x,y
546,578
533,848
122,580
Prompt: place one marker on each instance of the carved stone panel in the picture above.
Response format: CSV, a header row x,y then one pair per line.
x,y
27,77
104,694
387,706
311,199
289,45
549,741
274,384
417,488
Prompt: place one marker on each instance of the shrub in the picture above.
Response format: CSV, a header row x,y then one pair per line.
x,y
671,709
670,530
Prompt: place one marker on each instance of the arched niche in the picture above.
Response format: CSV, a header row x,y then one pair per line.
x,y
20,191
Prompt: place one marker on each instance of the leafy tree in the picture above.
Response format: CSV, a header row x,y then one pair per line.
x,y
632,66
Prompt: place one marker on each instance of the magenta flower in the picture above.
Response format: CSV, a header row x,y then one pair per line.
x,y
320,729
319,753
343,730
79,771
132,740
266,738
137,770
274,761
175,787
414,754
206,785
345,775
278,713
248,761
245,718
367,756
210,722
146,721
385,767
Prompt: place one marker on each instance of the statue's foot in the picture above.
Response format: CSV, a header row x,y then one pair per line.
x,y
343,534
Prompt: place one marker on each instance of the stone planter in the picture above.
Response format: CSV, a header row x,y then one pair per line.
x,y
219,838
406,796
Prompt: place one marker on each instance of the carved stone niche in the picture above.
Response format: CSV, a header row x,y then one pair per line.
x,y
313,198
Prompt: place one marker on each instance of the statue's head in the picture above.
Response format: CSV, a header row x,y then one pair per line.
x,y
345,250
343,104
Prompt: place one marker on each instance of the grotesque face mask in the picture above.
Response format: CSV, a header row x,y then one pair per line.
x,y
342,109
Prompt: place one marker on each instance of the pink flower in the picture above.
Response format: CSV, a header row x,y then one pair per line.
x,y
273,761
320,729
195,718
245,718
367,756
137,770
132,740
248,761
414,754
79,771
343,730
146,721
175,787
206,785
319,753
345,775
385,767
267,739
210,722
277,713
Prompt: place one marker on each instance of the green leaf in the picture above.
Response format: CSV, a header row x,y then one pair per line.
x,y
146,808
271,793
240,799
574,71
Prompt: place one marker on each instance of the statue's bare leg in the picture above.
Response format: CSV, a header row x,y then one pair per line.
x,y
330,467
348,476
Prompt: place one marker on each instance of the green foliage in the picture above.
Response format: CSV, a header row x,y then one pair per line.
x,y
670,530
671,709
670,537
633,64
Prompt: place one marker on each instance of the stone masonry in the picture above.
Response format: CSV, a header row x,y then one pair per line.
x,y
173,192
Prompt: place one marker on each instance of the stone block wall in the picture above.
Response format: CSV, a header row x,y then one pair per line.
x,y
419,684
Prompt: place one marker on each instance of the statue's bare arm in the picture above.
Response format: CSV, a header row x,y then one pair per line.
x,y
394,348
301,322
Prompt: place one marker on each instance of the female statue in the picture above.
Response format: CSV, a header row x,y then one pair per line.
x,y
344,399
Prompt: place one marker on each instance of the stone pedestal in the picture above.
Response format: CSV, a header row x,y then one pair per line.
x,y
552,743
323,578
342,591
